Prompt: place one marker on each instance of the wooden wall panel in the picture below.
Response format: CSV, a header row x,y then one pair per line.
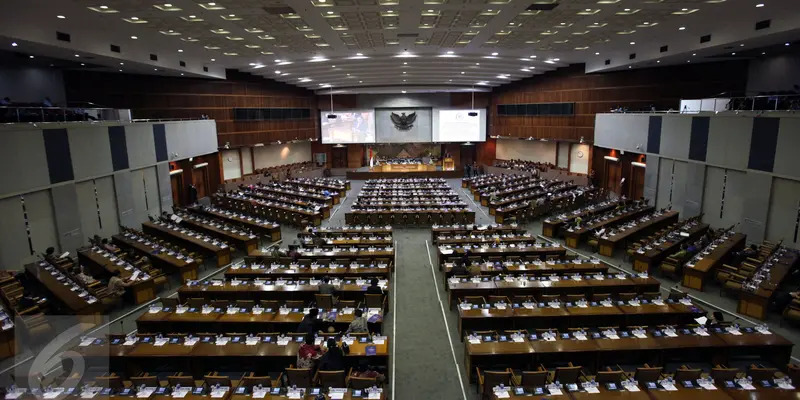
x,y
153,97
598,164
637,90
355,155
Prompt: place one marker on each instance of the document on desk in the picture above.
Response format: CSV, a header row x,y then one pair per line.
x,y
669,387
502,394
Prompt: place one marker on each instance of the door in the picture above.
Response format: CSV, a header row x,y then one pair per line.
x,y
176,181
467,155
637,183
339,157
613,176
200,181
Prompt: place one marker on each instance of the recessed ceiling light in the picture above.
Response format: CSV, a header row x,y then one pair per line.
x,y
556,59
787,43
135,18
688,61
683,28
763,52
134,37
103,7
404,72
430,10
277,72
405,63
155,69
193,16
30,56
122,63
330,12
403,91
462,72
120,70
633,42
404,80
629,67
658,61
213,59
627,9
477,63
760,5
60,16
450,80
77,55
694,54
181,73
14,44
360,81
494,54
733,54
82,64
212,4
231,15
359,54
597,54
180,51
533,57
333,66
449,52
167,5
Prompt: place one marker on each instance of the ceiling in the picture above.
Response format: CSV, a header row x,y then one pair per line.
x,y
393,45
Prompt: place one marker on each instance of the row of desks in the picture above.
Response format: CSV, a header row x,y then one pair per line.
x,y
659,393
277,188
648,258
756,303
466,230
300,289
382,217
536,269
282,201
268,229
533,286
502,252
551,225
61,288
257,271
222,252
696,272
608,244
719,347
186,268
143,290
569,315
232,235
574,237
349,395
314,217
340,187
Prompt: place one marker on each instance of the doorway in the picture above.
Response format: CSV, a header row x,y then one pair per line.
x,y
339,157
200,181
176,182
637,182
613,176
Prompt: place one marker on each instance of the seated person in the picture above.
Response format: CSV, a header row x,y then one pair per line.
x,y
359,324
474,270
458,269
373,287
333,359
325,287
365,371
117,285
310,323
682,253
308,353
85,278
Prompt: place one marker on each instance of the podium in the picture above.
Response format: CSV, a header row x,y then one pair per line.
x,y
448,164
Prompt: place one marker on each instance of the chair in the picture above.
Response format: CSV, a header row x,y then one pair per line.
x,y
295,303
531,379
214,379
357,382
196,302
479,300
518,299
487,380
609,375
760,373
246,304
493,299
626,296
265,381
109,381
546,298
600,296
572,298
568,374
300,377
375,301
685,373
169,302
180,379
326,301
647,373
721,373
145,379
329,379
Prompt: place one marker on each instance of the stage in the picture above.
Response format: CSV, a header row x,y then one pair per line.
x,y
406,171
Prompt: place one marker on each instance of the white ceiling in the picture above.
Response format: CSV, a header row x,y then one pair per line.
x,y
358,44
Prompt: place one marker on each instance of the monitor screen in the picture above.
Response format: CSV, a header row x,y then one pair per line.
x,y
348,127
459,126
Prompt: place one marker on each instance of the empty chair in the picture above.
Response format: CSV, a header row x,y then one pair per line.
x,y
374,301
180,379
358,382
324,300
761,373
329,379
685,373
626,296
270,304
169,302
300,377
246,304
647,373
532,379
196,302
251,381
568,374
214,379
294,303
145,379
609,375
546,298
497,299
109,381
572,298
487,380
721,373
479,300
220,303
600,296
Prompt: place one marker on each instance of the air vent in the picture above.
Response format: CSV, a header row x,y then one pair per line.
x,y
664,49
705,39
608,62
542,6
64,37
153,57
205,69
279,10
115,48
632,56
407,35
763,24
182,63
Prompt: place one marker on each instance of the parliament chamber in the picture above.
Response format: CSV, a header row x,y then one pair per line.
x,y
328,200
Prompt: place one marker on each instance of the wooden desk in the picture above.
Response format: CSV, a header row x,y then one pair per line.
x,y
609,243
265,208
533,286
551,225
269,229
240,239
160,259
280,189
341,254
542,252
91,312
466,230
604,394
531,269
194,321
339,187
756,304
222,252
206,356
516,316
651,257
296,271
300,289
100,265
378,230
395,216
695,273
574,237
593,352
322,208
403,168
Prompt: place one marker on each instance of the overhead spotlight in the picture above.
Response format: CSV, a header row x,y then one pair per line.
x,y
134,37
786,44
403,91
759,5
30,56
683,28
494,54
60,16
14,44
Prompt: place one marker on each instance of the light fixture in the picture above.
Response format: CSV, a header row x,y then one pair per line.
x,y
104,7
477,63
134,37
30,56
683,28
609,158
658,61
213,59
60,17
277,72
404,72
633,42
360,81
449,52
638,164
694,54
82,64
403,91
359,54
597,54
330,12
759,5
787,43
14,44
120,70
494,54
122,63
180,50
733,54
430,10
462,72
405,63
77,55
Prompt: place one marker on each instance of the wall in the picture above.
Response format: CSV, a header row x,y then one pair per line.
x,y
597,93
579,155
74,180
732,168
774,74
280,154
24,84
528,150
169,97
